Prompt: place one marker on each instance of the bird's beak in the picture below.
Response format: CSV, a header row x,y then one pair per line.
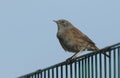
x,y
55,21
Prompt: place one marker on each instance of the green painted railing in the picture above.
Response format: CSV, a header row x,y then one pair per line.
x,y
91,65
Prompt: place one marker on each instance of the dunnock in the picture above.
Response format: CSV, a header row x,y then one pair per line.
x,y
72,39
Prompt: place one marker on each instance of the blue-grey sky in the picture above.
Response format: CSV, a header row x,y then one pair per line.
x,y
28,34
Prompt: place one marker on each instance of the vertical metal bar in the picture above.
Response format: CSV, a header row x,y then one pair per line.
x,y
119,62
114,57
85,67
96,67
92,67
41,75
45,74
71,73
61,71
57,72
66,70
38,75
105,67
48,73
110,64
35,76
79,72
75,64
88,67
52,72
100,58
82,68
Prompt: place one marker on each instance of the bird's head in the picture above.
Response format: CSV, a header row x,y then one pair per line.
x,y
62,23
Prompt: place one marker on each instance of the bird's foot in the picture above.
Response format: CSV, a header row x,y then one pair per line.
x,y
68,60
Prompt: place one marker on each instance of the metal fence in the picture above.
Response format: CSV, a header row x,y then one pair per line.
x,y
92,65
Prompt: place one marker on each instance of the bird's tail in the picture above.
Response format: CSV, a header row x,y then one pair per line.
x,y
94,48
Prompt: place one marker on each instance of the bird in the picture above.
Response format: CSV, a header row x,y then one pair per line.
x,y
72,39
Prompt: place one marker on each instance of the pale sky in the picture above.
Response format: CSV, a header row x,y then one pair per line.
x,y
28,34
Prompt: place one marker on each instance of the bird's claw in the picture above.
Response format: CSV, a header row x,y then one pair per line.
x,y
68,60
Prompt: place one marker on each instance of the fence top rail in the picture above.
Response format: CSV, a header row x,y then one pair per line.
x,y
78,58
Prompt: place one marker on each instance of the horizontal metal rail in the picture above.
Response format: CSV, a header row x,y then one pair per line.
x,y
91,65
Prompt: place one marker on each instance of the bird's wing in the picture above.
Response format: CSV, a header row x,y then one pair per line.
x,y
81,35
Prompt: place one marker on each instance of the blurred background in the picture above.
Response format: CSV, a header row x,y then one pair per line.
x,y
28,34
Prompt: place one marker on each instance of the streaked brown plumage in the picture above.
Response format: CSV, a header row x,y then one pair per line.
x,y
72,39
